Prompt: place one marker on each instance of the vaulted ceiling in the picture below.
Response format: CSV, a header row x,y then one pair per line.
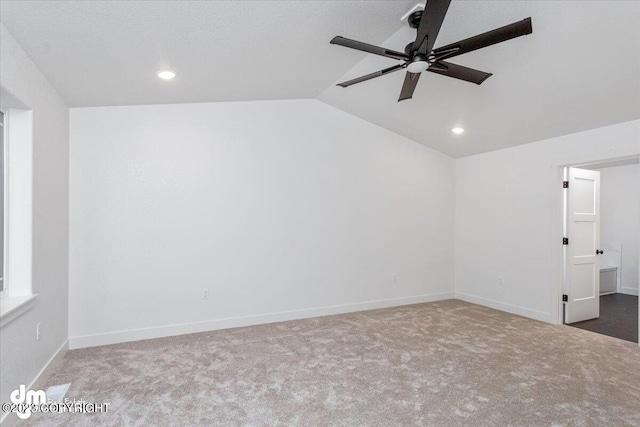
x,y
578,70
107,52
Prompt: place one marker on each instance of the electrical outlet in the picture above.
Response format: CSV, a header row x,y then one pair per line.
x,y
38,331
205,294
500,282
395,278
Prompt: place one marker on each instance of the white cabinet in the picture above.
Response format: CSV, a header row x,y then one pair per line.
x,y
608,279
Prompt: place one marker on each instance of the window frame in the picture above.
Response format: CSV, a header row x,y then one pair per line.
x,y
17,295
5,137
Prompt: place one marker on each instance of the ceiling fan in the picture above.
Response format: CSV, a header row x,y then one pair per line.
x,y
420,55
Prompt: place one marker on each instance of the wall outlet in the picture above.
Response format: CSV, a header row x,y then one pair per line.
x,y
38,331
205,294
395,278
500,283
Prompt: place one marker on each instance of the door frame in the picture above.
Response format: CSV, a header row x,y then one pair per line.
x,y
558,218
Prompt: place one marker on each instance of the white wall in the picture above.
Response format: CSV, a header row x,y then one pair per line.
x,y
22,357
507,218
620,219
274,206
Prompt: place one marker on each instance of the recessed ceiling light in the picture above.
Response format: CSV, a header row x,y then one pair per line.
x,y
166,74
457,131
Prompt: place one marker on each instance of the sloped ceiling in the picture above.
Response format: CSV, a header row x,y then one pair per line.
x,y
580,69
98,53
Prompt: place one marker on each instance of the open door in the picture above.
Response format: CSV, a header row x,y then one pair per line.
x,y
582,275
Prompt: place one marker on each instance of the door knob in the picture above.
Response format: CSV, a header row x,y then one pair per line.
x,y
598,252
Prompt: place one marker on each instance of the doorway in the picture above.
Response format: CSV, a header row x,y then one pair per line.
x,y
601,225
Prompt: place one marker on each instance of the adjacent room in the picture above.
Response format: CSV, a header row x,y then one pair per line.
x,y
319,213
619,228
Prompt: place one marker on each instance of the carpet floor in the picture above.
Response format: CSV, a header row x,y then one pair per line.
x,y
447,363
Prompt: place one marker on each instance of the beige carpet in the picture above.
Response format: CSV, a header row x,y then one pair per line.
x,y
447,363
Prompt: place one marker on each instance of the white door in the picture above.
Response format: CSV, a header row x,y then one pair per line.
x,y
581,254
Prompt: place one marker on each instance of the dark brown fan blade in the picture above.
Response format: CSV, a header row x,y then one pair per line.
x,y
430,24
489,38
353,44
409,85
372,75
459,72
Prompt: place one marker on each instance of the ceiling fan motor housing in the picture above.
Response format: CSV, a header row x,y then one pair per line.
x,y
414,56
408,48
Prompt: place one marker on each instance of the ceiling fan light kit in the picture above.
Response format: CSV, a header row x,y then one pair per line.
x,y
418,66
420,55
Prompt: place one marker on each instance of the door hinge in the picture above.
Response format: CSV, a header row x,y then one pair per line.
x,y
565,184
565,298
565,240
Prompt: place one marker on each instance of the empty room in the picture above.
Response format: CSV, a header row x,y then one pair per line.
x,y
319,213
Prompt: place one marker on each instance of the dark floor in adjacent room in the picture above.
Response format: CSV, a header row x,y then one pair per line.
x,y
618,317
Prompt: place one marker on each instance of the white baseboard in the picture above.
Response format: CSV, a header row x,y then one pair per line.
x,y
629,291
235,322
513,309
39,382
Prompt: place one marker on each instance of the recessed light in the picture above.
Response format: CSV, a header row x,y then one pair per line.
x,y
457,131
166,74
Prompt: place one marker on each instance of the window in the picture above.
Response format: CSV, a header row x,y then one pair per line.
x,y
16,163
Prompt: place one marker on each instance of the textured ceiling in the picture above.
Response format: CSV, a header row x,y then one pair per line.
x,y
107,52
580,69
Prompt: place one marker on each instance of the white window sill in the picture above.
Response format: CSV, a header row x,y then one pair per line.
x,y
12,307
